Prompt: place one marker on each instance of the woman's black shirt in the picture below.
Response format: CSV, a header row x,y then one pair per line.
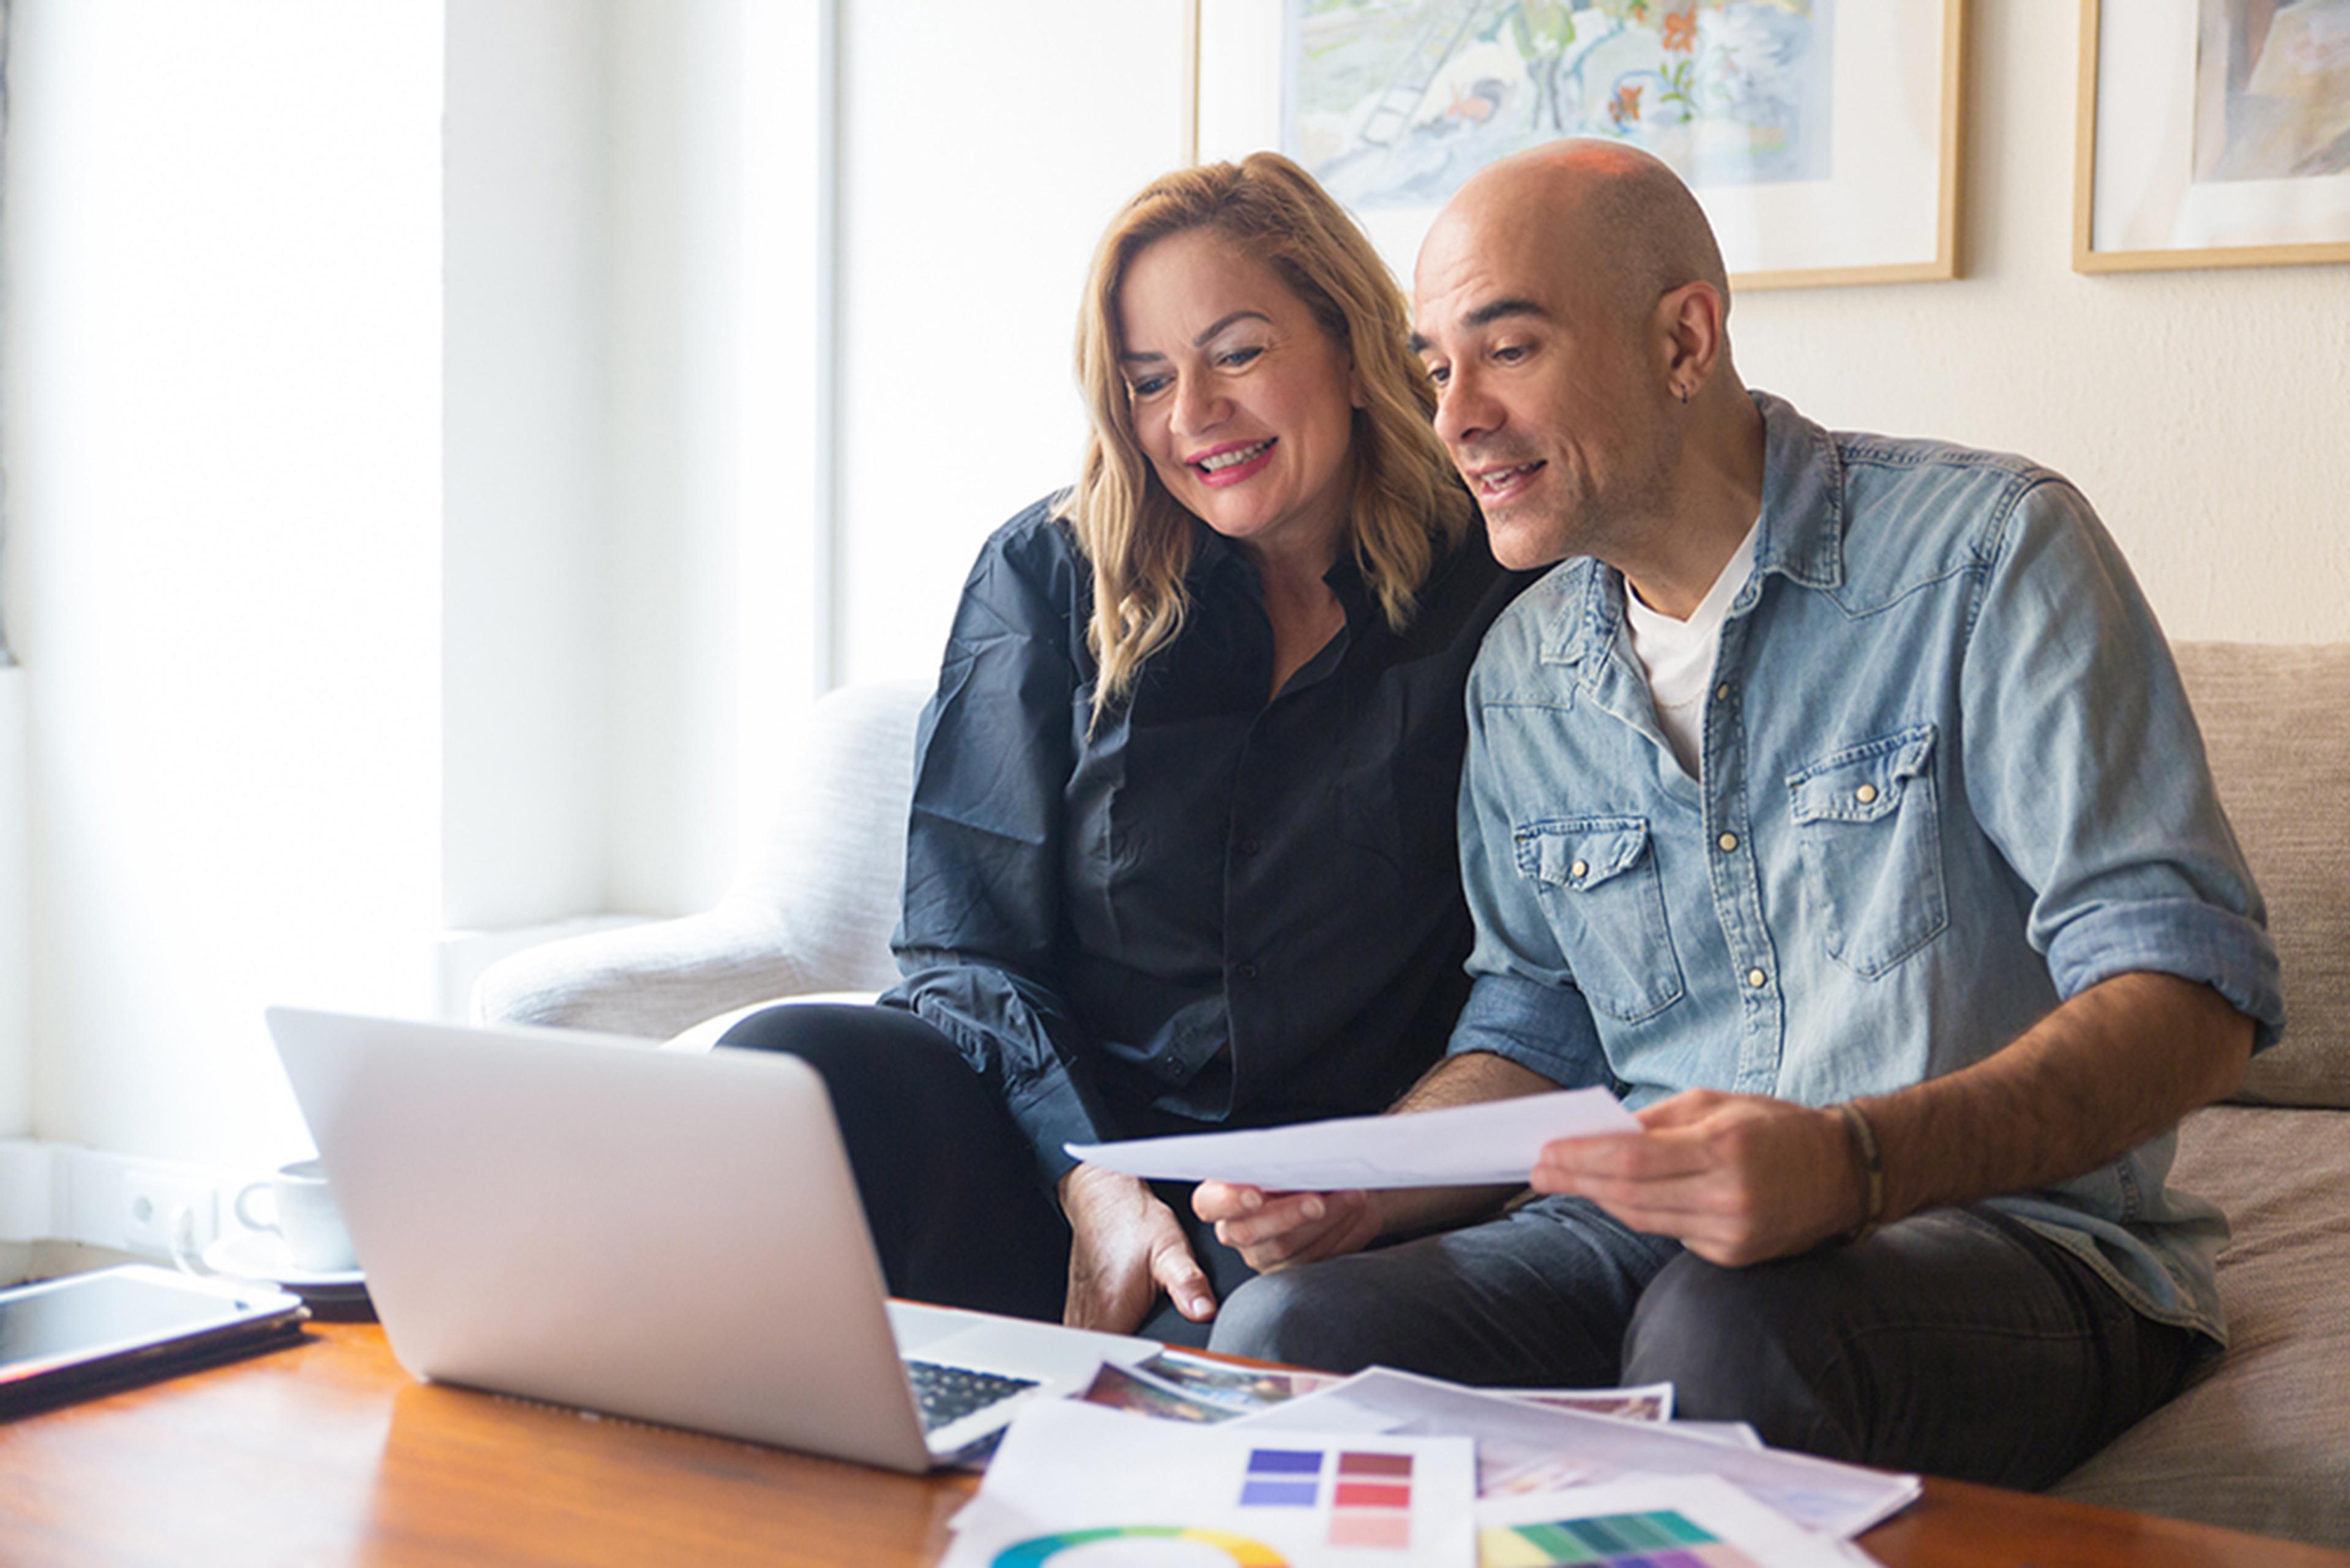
x,y
1211,910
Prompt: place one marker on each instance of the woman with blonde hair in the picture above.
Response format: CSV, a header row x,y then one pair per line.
x,y
1181,853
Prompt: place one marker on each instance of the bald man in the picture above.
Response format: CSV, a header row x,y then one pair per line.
x,y
1836,801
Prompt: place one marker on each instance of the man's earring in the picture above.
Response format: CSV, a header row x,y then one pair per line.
x,y
1681,391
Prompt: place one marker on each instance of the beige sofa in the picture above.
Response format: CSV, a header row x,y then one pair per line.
x,y
2261,1443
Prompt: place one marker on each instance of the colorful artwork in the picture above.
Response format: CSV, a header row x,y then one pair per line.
x,y
1040,1550
2271,90
1393,103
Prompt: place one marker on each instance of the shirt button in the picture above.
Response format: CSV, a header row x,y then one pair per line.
x,y
1246,972
1865,793
1729,841
1722,693
1250,847
1757,978
1578,869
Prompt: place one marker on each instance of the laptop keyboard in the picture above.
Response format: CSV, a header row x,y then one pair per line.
x,y
949,1393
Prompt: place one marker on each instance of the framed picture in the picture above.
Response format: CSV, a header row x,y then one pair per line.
x,y
1821,136
2212,133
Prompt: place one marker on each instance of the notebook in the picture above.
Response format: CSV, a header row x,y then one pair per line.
x,y
590,1221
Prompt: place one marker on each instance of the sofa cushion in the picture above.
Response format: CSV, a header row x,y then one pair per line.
x,y
811,912
833,869
2276,723
2262,1441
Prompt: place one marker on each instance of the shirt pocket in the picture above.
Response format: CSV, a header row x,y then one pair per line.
x,y
1869,826
1598,886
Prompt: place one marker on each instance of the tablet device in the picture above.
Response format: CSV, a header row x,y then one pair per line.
x,y
84,1334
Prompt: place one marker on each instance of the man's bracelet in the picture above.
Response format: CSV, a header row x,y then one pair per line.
x,y
1872,1169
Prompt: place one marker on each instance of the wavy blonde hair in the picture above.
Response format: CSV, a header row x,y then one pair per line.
x,y
1140,540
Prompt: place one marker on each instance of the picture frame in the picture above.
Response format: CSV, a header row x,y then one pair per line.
x,y
1847,171
2182,156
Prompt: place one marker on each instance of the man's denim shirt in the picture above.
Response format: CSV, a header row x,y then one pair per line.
x,y
1949,779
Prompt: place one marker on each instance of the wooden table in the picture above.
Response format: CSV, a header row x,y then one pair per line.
x,y
325,1454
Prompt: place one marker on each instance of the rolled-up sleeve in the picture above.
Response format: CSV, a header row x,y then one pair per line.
x,y
2085,765
1523,1000
976,943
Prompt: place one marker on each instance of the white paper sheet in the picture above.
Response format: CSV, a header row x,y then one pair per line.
x,y
1107,1486
1524,1448
1465,1145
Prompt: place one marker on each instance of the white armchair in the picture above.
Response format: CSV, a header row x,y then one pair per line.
x,y
810,912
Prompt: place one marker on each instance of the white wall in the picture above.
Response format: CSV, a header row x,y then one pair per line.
x,y
224,240
782,653
16,922
526,472
2205,412
983,147
631,371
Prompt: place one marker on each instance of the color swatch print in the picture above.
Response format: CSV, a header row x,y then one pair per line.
x,y
1370,1494
1657,1539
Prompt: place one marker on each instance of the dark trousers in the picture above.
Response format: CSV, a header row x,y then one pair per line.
x,y
1957,1343
957,1205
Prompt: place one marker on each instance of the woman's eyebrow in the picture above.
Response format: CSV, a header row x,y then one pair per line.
x,y
1202,340
1130,355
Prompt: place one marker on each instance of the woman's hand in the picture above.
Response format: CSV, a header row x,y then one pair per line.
x,y
1273,1230
1125,1247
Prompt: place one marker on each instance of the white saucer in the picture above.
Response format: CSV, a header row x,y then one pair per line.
x,y
258,1255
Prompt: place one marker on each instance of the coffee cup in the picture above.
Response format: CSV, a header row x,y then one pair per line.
x,y
300,1212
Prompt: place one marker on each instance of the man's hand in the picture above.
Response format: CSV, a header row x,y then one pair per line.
x,y
1737,1179
1273,1230
1125,1247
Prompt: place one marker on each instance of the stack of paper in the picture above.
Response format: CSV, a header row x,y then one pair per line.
x,y
1077,1483
1526,1448
1390,1469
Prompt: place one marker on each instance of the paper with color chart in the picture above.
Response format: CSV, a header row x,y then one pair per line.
x,y
1696,1521
1103,1487
1523,1448
1465,1145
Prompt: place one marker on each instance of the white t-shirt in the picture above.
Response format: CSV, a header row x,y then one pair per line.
x,y
1678,654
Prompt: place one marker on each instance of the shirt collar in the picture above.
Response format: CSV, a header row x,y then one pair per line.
x,y
1345,580
1799,536
1803,498
1215,559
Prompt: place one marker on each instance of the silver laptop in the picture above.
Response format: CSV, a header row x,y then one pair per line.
x,y
678,1239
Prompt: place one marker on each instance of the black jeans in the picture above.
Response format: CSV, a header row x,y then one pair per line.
x,y
957,1206
1958,1342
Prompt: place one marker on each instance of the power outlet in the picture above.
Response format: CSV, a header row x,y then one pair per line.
x,y
164,1208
